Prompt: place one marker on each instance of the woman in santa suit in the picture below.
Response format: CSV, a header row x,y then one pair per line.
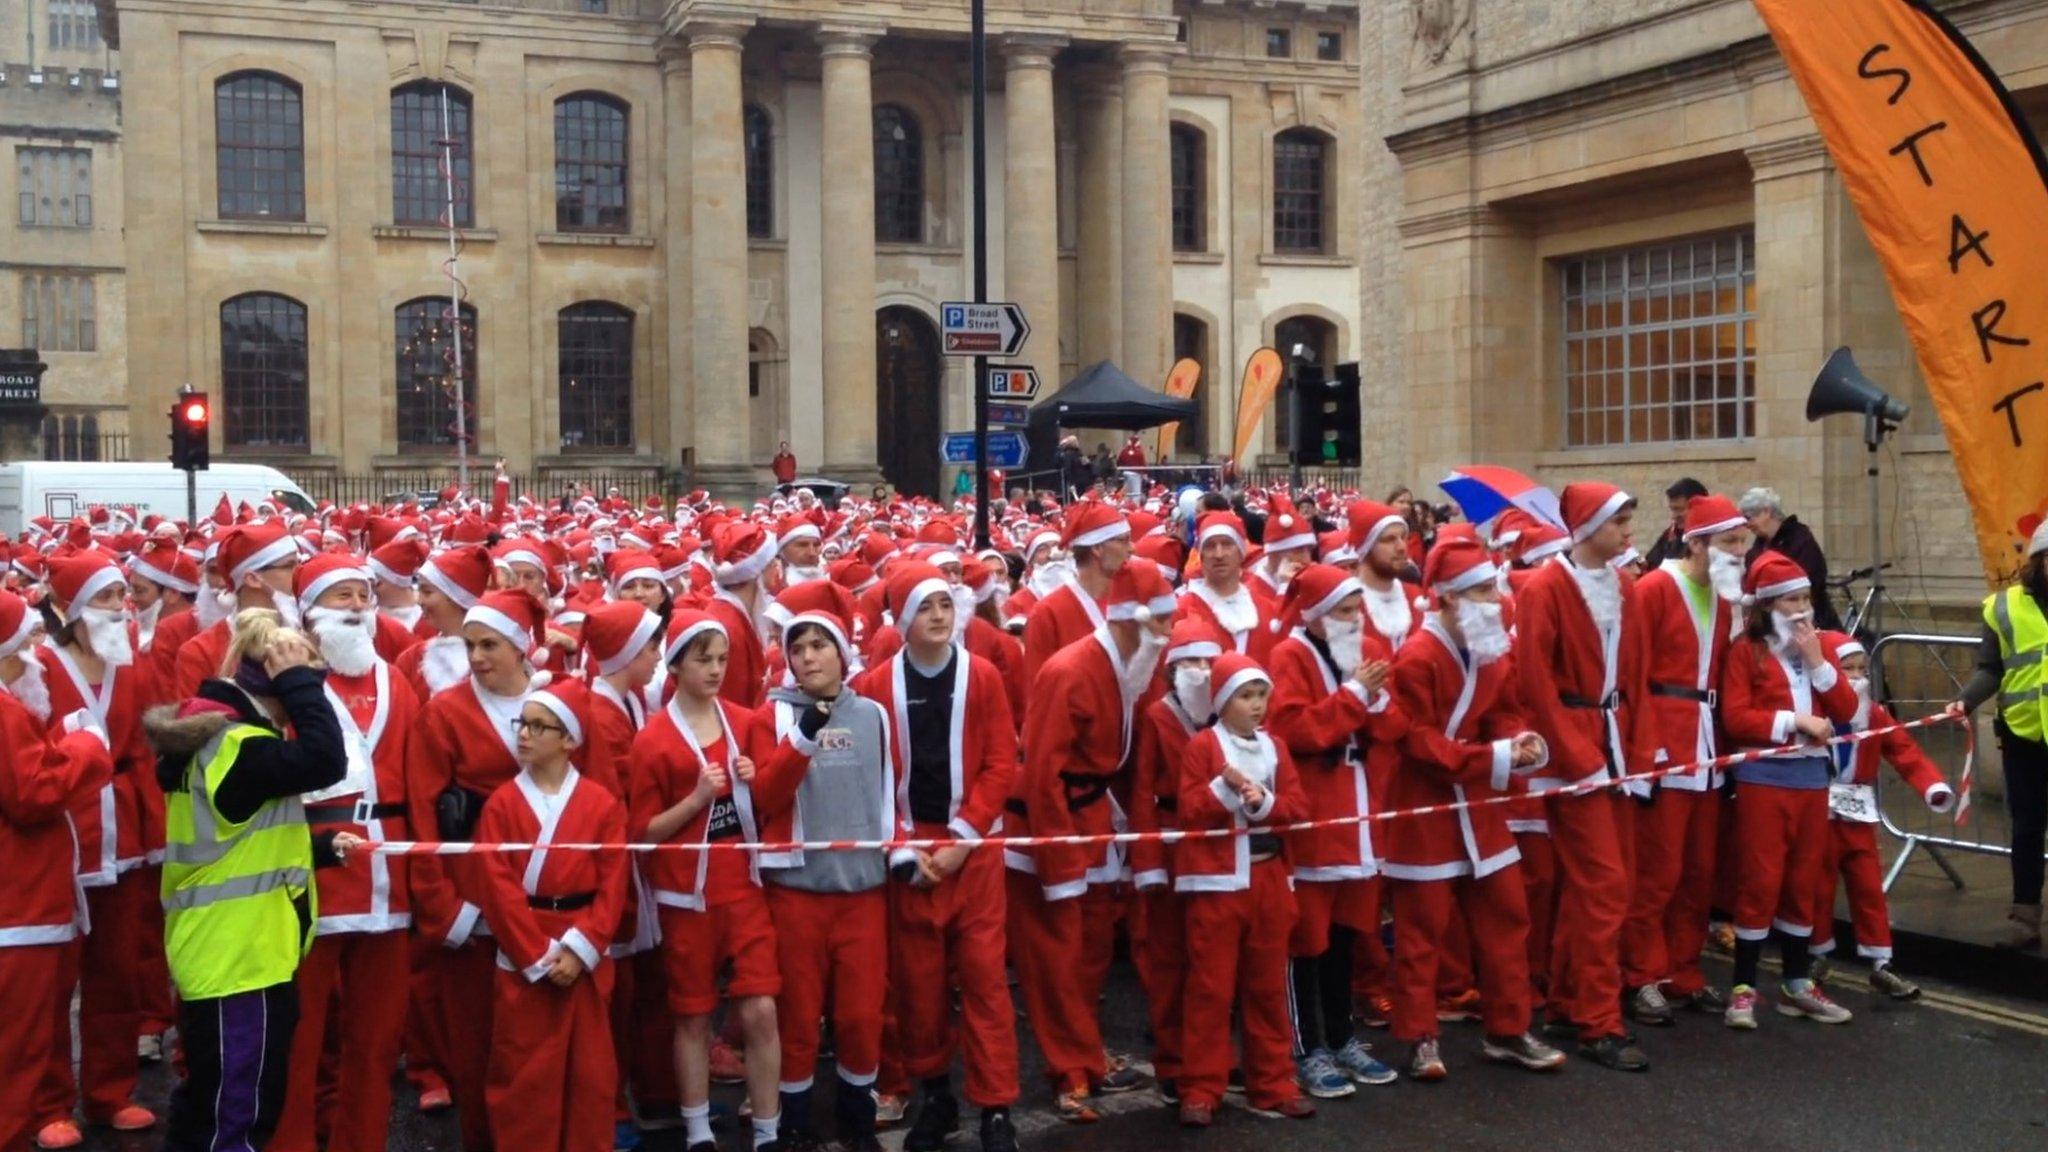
x,y
42,911
88,663
360,946
465,751
1781,687
551,1075
450,583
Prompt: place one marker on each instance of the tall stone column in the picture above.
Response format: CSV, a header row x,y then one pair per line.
x,y
847,255
1148,208
1031,257
673,403
718,261
1099,317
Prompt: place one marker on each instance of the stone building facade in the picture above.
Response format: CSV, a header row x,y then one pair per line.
x,y
62,286
670,214
1604,239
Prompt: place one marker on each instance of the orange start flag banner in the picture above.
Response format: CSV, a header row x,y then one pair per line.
x,y
1953,193
1180,384
1254,396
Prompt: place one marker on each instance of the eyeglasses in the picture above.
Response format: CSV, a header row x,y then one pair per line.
x,y
521,726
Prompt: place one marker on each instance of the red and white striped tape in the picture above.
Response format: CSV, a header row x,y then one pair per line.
x,y
467,848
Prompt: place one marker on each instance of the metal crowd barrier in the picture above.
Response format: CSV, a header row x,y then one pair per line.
x,y
1916,675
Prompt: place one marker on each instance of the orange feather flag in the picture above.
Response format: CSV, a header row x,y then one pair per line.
x,y
1254,396
1180,384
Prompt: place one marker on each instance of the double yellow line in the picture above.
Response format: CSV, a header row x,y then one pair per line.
x,y
1979,1010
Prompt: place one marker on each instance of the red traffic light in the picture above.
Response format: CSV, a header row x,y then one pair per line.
x,y
195,412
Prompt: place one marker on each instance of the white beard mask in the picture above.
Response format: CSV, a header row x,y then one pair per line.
x,y
963,611
145,621
214,606
1344,639
1862,687
106,633
1048,576
408,615
1480,624
1725,570
1191,692
1145,662
792,575
287,607
31,689
444,663
347,640
1782,624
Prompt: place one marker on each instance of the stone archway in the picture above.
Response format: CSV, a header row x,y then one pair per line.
x,y
910,377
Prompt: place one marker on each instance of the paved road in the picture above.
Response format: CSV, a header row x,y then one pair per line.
x,y
1955,1071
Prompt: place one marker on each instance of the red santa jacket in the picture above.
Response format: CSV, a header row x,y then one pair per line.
x,y
615,719
1582,696
378,716
1896,746
981,742
161,657
1164,732
393,637
112,838
530,938
1248,619
40,781
984,640
1461,721
1684,671
664,766
1064,615
459,741
199,658
1077,735
1323,723
746,672
1760,696
1223,863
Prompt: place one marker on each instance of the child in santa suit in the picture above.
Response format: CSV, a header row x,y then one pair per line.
x,y
552,1077
1170,722
744,552
1781,688
693,777
1331,709
1238,901
1465,743
1853,817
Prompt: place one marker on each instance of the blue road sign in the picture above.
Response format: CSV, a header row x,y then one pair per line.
x,y
1004,415
1005,449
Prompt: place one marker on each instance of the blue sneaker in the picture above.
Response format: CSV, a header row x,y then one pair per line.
x,y
1320,1078
625,1136
1356,1060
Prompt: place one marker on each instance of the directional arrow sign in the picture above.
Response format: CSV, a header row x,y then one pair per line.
x,y
1005,449
982,329
1012,382
1004,415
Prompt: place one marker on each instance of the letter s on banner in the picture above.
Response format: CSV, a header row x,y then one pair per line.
x,y
1953,193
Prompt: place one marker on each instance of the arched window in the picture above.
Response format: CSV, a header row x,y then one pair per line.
x,y
759,140
1190,179
1301,191
426,374
259,147
263,372
1305,343
590,164
423,115
594,377
899,176
1191,342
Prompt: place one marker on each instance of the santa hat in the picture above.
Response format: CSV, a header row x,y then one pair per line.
x,y
614,632
398,562
1840,644
743,551
324,571
851,574
162,563
1287,532
1710,516
569,701
1368,520
685,625
1220,524
1588,504
512,613
1539,542
78,577
519,550
1040,539
628,564
1335,548
17,623
1139,592
461,574
1317,590
940,532
1458,565
796,528
1194,639
250,548
910,583
1771,575
1231,672
1091,523
837,626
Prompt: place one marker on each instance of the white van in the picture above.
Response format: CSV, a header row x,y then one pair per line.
x,y
61,490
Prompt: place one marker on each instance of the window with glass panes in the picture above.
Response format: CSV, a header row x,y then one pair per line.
x,y
590,164
899,176
594,377
259,148
54,187
419,125
759,141
426,374
74,24
1188,178
1300,190
1660,342
263,372
57,313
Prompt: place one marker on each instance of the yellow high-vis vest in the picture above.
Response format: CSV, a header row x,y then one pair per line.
x,y
2022,640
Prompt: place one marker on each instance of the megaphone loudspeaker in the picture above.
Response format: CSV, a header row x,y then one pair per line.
x,y
1842,388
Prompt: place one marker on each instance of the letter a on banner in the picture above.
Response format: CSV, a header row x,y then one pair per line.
x,y
1254,395
1953,193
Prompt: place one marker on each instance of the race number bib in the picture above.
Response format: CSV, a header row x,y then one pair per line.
x,y
1856,803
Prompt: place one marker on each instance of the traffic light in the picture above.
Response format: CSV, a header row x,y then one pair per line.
x,y
1326,417
191,420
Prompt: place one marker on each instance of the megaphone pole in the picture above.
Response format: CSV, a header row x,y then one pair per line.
x,y
1873,435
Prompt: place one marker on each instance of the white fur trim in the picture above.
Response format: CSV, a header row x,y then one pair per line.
x,y
500,623
1372,534
29,620
446,585
642,633
151,572
675,646
749,568
831,628
99,581
1199,650
1103,535
631,574
1716,528
1159,608
1215,530
1221,694
1349,586
1471,578
321,584
916,598
1602,515
562,711
384,574
264,557
1781,588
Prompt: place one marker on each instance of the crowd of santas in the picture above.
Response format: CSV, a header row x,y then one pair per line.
x,y
789,674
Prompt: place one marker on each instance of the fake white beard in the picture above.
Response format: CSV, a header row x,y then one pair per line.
x,y
1237,613
213,607
1781,629
1602,590
963,611
408,615
1050,575
1191,692
145,621
1480,624
1144,663
106,633
1344,638
1724,571
31,689
444,663
1391,615
792,575
348,640
287,607
1862,687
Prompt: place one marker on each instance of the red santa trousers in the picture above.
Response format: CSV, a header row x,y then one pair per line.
x,y
946,936
1063,950
1539,890
103,967
551,1078
423,1015
1595,845
1495,913
1781,840
695,946
467,976
1454,960
1162,970
1852,856
643,1035
354,981
837,945
1237,954
33,975
1677,838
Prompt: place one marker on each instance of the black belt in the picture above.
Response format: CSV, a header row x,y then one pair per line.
x,y
1264,843
1083,789
569,903
1167,803
1608,704
359,812
1014,807
1682,692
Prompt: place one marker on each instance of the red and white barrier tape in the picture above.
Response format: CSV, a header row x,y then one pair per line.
x,y
466,848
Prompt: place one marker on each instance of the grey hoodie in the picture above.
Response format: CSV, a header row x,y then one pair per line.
x,y
848,793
